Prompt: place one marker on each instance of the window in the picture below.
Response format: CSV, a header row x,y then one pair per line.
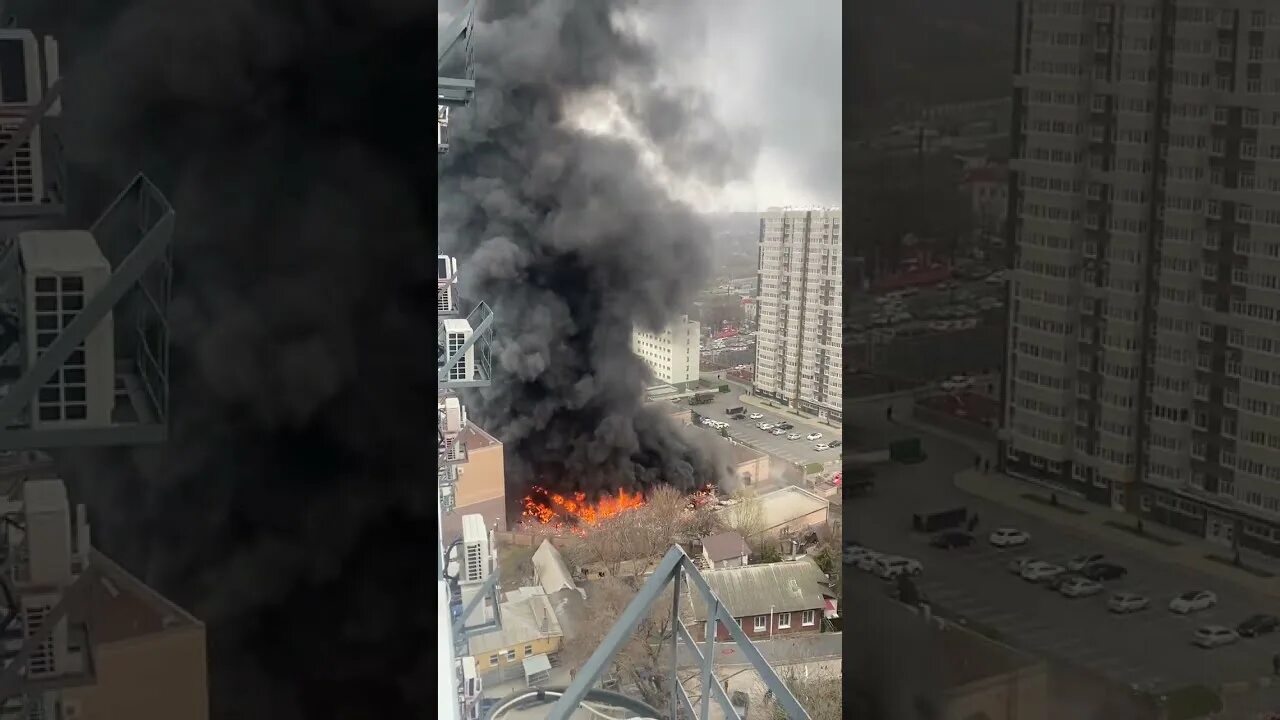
x,y
1220,115
511,655
784,620
493,660
528,650
808,617
762,623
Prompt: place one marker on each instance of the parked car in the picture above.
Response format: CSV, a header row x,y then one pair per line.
x,y
891,567
778,431
1123,603
1193,601
786,426
853,553
813,436
1039,571
866,562
1056,582
821,446
1079,587
956,383
1212,636
1008,537
835,443
793,436
1104,571
951,539
1080,562
756,416
766,426
1256,625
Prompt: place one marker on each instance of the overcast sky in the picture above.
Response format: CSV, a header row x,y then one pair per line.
x,y
773,66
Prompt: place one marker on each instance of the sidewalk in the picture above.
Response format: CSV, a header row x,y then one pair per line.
x,y
781,410
1188,552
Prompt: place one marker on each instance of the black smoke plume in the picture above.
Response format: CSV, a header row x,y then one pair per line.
x,y
572,241
291,510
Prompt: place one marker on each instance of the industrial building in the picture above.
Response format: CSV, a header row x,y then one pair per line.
x,y
672,354
1142,368
798,315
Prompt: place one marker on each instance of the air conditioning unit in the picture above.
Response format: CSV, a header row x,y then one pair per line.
x,y
457,333
453,416
446,279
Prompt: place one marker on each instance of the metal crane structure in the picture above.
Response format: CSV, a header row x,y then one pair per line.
x,y
464,360
84,353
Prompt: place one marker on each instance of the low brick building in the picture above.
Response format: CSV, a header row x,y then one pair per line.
x,y
768,600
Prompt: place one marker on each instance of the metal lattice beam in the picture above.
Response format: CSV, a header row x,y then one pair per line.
x,y
674,566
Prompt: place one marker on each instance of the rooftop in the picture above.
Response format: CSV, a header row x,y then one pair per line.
x,y
60,251
527,614
783,505
551,569
741,454
789,586
121,607
725,546
475,438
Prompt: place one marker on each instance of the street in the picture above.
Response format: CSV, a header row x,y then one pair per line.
x,y
745,431
1150,649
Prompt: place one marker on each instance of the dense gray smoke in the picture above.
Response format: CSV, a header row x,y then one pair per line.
x,y
292,508
570,239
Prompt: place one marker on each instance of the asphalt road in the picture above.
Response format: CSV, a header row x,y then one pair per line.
x,y
745,431
1150,649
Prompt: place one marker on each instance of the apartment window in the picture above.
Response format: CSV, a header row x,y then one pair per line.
x,y
1212,208
511,655
761,623
1209,271
1198,449
528,650
1220,116
1201,391
1248,149
1230,398
493,660
1201,420
1244,213
784,620
1211,239
1249,118
808,617
1227,459
1215,174
1246,180
1099,103
1218,147
1206,331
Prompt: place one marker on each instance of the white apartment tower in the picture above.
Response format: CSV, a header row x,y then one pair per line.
x,y
1144,347
672,354
799,308
61,270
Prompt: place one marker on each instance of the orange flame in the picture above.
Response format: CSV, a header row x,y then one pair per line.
x,y
574,511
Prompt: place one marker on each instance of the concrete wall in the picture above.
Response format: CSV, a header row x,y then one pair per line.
x,y
758,469
1020,695
161,676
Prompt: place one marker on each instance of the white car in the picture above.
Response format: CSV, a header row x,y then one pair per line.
x,y
889,568
1081,562
1212,636
813,436
793,436
766,426
778,431
1079,587
955,383
1008,537
756,416
821,446
1041,570
1124,602
1193,601
853,553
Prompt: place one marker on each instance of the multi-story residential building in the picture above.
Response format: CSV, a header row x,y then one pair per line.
x,y
481,488
672,354
799,309
1143,349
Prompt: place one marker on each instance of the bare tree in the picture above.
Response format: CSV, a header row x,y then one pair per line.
x,y
644,660
820,694
745,516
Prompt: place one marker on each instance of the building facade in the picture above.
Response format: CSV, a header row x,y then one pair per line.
x,y
672,355
782,598
799,309
1142,361
481,488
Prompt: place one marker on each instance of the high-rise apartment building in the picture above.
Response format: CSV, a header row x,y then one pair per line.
x,y
1143,350
799,309
62,269
672,354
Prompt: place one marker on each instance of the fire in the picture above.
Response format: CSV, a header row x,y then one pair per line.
x,y
574,510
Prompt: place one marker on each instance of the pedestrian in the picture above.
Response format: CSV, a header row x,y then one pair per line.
x,y
973,522
977,462
986,466
888,413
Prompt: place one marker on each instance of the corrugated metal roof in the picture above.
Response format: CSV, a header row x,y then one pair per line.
x,y
527,615
551,570
790,586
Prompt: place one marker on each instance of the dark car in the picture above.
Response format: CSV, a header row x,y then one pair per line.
x,y
834,443
953,539
1056,582
1259,624
785,426
1104,571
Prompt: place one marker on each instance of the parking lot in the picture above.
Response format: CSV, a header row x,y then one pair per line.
x,y
1150,649
793,451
